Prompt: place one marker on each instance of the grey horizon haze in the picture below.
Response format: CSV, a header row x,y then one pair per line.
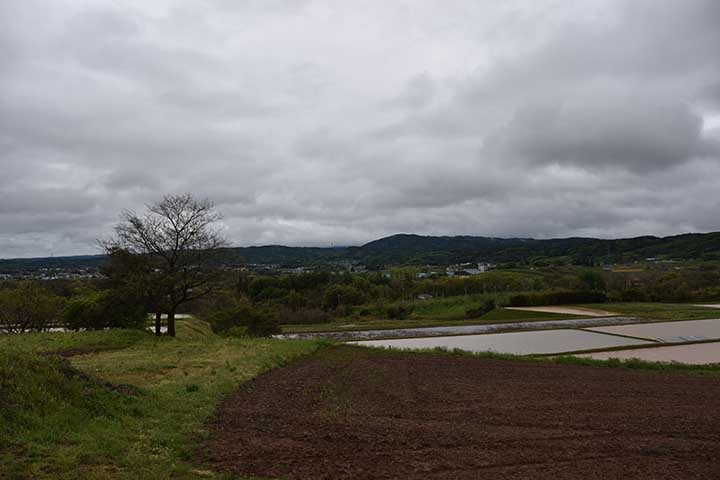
x,y
335,122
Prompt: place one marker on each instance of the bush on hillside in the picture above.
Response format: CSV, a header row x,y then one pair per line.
x,y
263,326
236,315
242,319
97,310
562,297
629,295
337,296
302,316
28,307
487,306
399,312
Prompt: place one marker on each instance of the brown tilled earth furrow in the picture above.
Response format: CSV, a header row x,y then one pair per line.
x,y
349,412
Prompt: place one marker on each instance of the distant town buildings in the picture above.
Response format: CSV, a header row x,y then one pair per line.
x,y
467,269
458,270
422,275
338,267
51,274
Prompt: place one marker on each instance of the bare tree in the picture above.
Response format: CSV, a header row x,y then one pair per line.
x,y
178,239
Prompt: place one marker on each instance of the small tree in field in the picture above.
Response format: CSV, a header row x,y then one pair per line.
x,y
28,308
134,278
177,239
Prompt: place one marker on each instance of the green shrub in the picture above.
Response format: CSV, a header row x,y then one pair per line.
x,y
302,316
237,315
630,295
263,326
28,307
271,293
342,295
236,332
97,310
561,297
485,307
399,312
245,320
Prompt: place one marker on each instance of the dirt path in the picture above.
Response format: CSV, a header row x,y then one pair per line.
x,y
355,413
590,312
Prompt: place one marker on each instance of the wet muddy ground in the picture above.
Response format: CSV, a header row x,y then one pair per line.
x,y
349,412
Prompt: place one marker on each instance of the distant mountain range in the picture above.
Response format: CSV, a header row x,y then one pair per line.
x,y
405,249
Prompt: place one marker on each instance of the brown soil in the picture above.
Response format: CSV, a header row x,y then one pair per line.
x,y
349,412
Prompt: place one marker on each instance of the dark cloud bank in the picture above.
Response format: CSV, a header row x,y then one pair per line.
x,y
323,122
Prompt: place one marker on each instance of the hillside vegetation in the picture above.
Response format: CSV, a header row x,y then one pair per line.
x,y
418,250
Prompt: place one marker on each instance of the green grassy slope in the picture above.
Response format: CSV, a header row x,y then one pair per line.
x,y
136,412
658,311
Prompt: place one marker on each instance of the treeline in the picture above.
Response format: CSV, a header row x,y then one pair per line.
x,y
313,298
34,306
400,250
563,297
256,305
700,284
322,297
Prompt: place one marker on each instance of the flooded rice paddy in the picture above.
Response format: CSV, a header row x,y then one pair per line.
x,y
460,329
641,335
697,354
668,332
518,343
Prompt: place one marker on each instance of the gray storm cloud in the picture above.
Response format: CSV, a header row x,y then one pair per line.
x,y
629,130
317,123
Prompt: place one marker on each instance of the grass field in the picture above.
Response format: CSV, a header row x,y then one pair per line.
x,y
128,405
658,311
435,312
451,311
139,414
499,315
134,406
451,308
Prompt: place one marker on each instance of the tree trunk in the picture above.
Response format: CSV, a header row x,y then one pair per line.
x,y
158,323
171,323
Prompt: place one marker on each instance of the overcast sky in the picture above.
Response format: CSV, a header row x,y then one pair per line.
x,y
338,122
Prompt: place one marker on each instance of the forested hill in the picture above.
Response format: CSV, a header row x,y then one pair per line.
x,y
416,249
91,262
407,249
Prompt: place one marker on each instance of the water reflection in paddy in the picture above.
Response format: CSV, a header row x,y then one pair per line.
x,y
520,343
697,354
668,332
